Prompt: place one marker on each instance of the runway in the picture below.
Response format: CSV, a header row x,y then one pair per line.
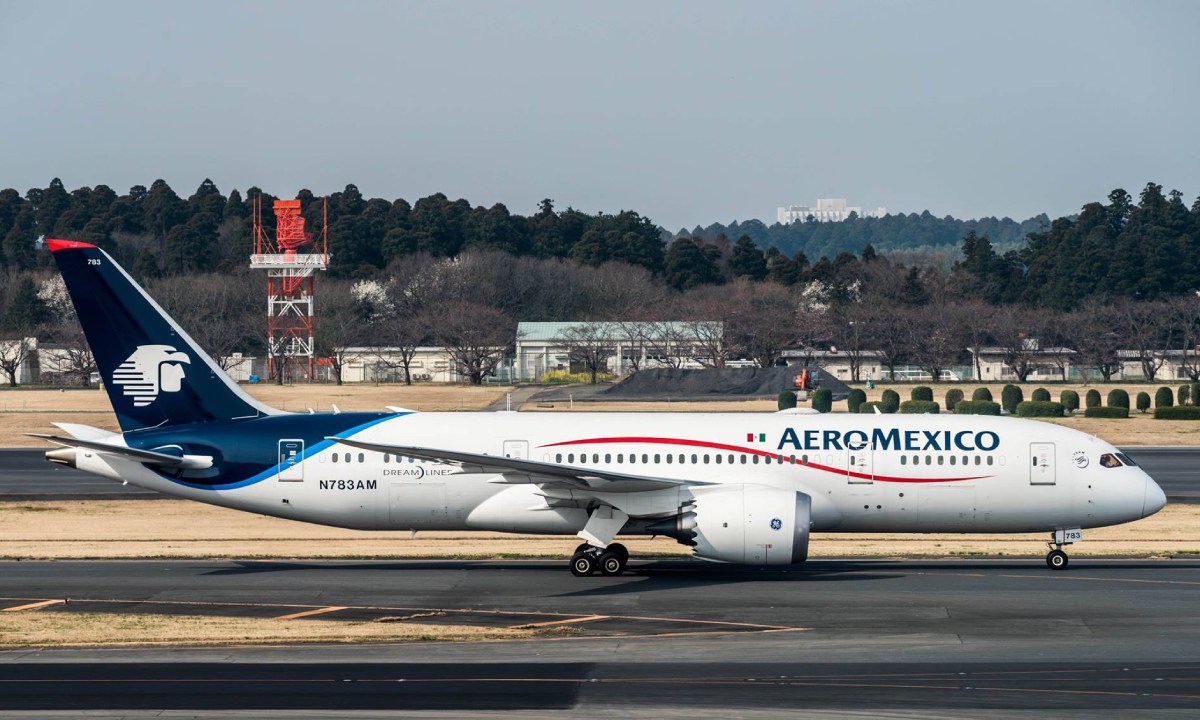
x,y
26,475
951,638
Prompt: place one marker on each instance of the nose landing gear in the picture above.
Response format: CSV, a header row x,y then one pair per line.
x,y
1056,559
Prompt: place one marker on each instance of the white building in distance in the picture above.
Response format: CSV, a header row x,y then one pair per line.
x,y
827,210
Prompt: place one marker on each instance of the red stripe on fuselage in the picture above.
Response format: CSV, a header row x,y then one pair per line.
x,y
753,451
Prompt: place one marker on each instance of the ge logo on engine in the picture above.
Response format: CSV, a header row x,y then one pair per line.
x,y
776,523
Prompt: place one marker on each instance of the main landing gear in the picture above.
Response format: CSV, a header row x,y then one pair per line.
x,y
609,561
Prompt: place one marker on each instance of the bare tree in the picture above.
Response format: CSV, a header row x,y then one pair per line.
x,y
1096,330
339,326
589,344
1184,319
763,322
934,340
14,352
977,330
478,337
73,357
893,333
224,314
1144,326
1020,333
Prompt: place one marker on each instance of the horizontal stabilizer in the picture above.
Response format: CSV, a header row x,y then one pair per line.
x,y
188,462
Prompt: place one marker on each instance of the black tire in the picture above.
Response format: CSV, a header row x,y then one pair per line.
x,y
620,549
1057,560
581,547
583,564
611,563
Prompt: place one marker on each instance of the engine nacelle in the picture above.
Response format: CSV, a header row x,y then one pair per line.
x,y
745,524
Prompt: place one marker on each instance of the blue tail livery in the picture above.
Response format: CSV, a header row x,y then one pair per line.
x,y
155,374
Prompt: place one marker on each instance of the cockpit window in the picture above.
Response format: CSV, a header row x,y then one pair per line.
x,y
1126,459
1109,460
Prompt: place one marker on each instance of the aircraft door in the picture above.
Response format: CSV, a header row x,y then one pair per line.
x,y
291,453
1041,463
860,466
516,449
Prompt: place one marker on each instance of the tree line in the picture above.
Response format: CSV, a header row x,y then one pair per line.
x,y
1120,276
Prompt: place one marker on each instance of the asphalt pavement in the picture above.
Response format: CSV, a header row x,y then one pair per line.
x,y
941,638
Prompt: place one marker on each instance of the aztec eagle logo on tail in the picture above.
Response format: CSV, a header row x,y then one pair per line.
x,y
151,369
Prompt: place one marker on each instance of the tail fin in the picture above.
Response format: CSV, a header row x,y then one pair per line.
x,y
154,373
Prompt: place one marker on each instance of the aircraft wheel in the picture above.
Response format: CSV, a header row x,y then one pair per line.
x,y
583,564
612,563
1056,560
619,549
581,547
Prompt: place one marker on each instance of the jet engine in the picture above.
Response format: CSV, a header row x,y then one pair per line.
x,y
746,524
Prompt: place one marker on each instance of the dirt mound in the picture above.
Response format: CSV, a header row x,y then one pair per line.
x,y
741,382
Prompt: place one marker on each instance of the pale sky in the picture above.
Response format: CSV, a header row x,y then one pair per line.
x,y
689,112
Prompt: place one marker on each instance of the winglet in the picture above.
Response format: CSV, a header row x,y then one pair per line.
x,y
56,245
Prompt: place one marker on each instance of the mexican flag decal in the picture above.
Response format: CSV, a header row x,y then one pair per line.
x,y
753,437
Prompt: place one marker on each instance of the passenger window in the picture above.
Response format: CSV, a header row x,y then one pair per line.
x,y
978,459
743,458
718,459
657,459
694,460
706,458
989,461
903,459
620,458
928,459
803,459
571,458
767,459
952,460
334,456
755,459
558,457
596,458
608,457
730,458
646,458
362,457
669,457
941,459
347,457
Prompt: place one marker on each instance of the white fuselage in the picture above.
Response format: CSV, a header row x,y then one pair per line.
x,y
865,473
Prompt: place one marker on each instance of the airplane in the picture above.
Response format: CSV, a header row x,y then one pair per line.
x,y
741,488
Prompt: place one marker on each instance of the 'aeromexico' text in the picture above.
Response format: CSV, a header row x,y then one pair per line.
x,y
893,439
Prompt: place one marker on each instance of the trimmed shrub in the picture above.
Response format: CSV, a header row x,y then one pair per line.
x,y
1040,395
1069,399
1180,412
855,399
1040,408
1185,394
982,394
1163,397
868,408
977,407
922,392
787,400
1118,398
1195,393
1092,399
1106,412
953,397
919,407
822,400
1010,397
1143,401
891,398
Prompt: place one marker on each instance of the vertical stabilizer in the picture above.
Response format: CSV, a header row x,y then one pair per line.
x,y
154,373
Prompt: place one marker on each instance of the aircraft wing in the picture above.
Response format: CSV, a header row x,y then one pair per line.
x,y
517,471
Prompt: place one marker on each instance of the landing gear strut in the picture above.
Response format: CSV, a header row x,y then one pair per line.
x,y
1056,559
589,558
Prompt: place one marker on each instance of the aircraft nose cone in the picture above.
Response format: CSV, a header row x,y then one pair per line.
x,y
1155,498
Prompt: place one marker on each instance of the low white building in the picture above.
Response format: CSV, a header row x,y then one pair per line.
x,y
837,363
21,355
1049,364
541,347
826,210
382,365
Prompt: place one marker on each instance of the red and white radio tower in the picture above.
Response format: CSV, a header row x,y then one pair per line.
x,y
291,262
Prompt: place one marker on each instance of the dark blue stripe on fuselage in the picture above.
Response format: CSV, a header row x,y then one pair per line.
x,y
246,452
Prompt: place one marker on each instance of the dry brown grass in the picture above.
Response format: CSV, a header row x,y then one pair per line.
x,y
43,628
115,529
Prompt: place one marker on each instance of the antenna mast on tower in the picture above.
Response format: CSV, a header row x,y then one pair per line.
x,y
291,262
